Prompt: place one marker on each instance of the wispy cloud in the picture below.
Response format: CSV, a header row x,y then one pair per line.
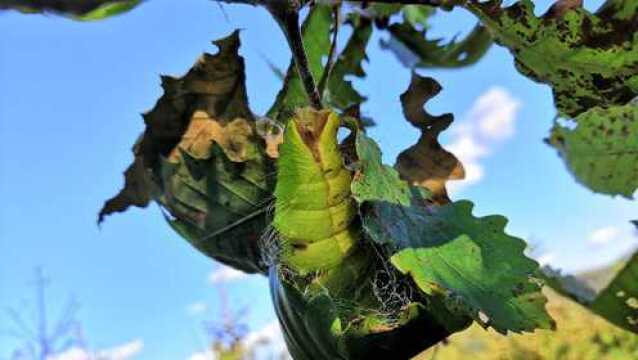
x,y
121,352
225,274
196,308
605,235
490,121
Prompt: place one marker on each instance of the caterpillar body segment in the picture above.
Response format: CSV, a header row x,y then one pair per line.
x,y
314,212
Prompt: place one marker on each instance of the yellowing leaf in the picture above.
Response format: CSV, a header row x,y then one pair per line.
x,y
273,135
201,159
236,139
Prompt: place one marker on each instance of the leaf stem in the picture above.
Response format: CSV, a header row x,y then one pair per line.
x,y
287,15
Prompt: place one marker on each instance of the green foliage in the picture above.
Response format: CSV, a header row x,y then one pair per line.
x,y
311,325
602,151
316,37
588,59
367,260
201,159
448,252
108,10
374,180
340,92
618,302
581,336
88,10
435,53
473,262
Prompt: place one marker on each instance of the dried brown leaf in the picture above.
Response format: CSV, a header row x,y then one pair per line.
x,y
427,163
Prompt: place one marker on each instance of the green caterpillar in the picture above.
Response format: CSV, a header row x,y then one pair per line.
x,y
314,212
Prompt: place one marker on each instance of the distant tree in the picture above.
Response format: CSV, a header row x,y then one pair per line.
x,y
42,338
230,336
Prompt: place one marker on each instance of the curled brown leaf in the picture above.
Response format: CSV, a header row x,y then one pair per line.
x,y
427,163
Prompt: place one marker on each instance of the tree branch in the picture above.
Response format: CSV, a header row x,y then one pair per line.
x,y
286,12
331,55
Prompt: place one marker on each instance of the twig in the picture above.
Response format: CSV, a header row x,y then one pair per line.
x,y
287,15
331,54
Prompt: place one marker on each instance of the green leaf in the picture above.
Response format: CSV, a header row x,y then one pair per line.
x,y
374,180
588,59
316,38
108,10
310,324
318,326
417,15
425,53
618,302
474,260
340,93
471,262
602,151
88,10
201,158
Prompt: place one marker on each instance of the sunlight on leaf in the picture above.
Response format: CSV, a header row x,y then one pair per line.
x,y
201,158
602,151
588,59
478,269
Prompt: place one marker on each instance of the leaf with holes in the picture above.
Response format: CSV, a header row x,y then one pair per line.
x,y
618,302
415,50
339,92
588,59
202,159
602,150
479,270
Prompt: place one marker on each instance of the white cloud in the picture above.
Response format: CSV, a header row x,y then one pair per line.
x,y
196,308
495,113
604,235
546,258
207,355
122,352
73,353
269,339
490,121
269,334
224,274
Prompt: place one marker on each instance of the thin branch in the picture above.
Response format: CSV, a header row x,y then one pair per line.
x,y
286,12
331,55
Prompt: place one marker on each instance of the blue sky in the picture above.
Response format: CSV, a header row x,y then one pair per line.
x,y
70,98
